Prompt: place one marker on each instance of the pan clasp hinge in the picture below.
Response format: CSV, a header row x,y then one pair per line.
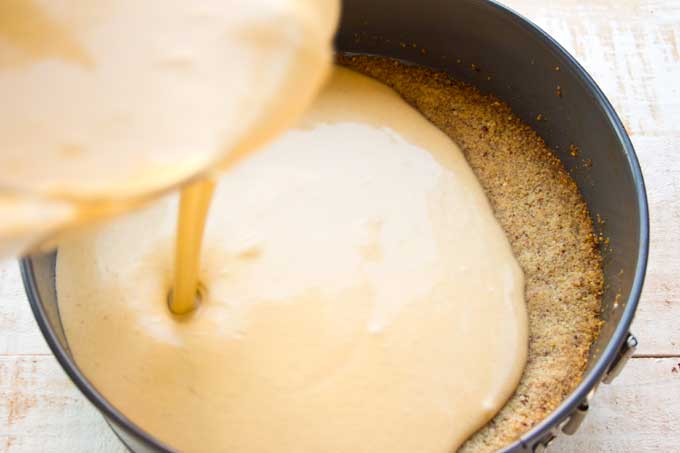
x,y
625,352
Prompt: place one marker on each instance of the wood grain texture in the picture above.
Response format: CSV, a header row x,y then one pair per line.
x,y
41,411
631,47
637,413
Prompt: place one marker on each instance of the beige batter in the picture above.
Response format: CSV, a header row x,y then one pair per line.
x,y
361,296
106,103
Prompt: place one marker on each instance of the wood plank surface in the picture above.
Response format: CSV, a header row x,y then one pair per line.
x,y
631,47
41,411
637,413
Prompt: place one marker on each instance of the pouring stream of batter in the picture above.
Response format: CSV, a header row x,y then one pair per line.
x,y
357,292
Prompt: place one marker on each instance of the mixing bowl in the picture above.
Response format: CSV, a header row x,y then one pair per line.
x,y
487,45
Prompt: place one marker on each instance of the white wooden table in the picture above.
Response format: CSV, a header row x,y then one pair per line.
x,y
632,48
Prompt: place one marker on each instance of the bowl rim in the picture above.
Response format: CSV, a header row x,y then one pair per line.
x,y
591,378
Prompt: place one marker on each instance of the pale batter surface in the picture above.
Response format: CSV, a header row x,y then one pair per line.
x,y
546,221
107,103
361,296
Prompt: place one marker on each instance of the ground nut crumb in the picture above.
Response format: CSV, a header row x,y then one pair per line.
x,y
546,221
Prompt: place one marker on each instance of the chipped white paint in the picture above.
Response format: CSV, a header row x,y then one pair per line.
x,y
631,47
40,410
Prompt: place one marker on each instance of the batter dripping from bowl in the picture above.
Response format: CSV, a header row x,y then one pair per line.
x,y
352,269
